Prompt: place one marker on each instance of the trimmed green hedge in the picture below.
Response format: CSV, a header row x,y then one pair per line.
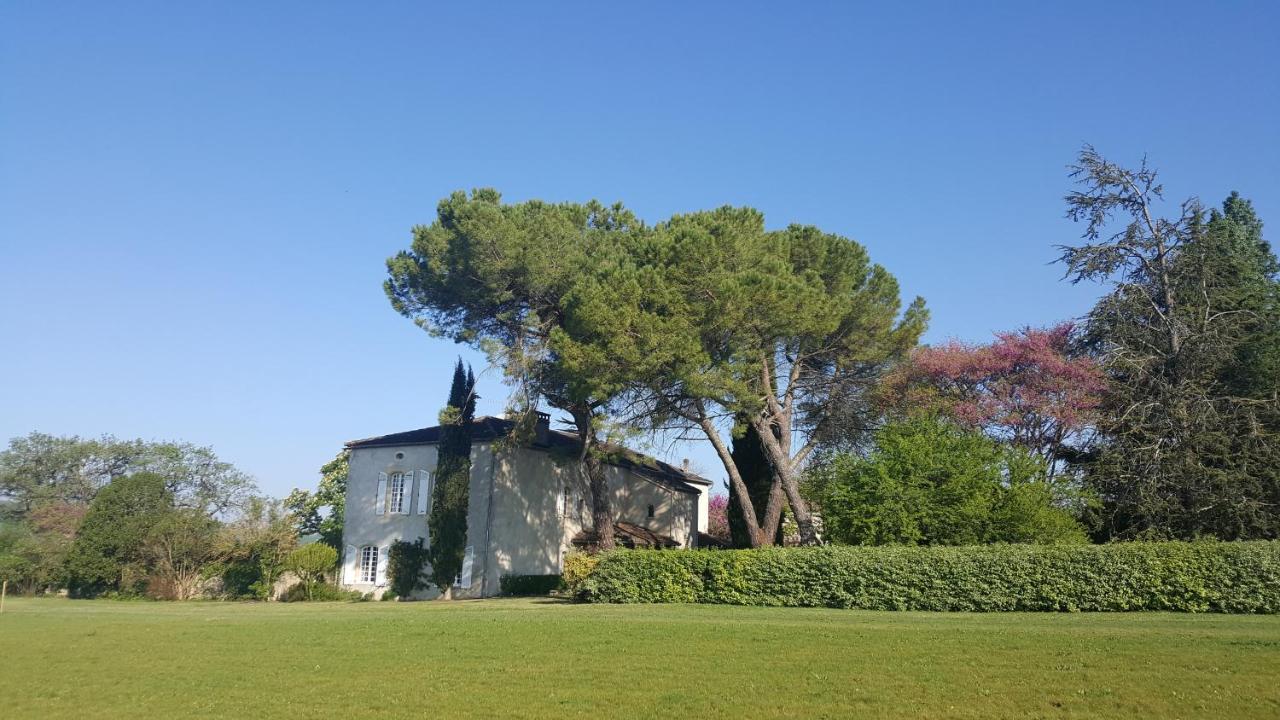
x,y
529,584
1237,577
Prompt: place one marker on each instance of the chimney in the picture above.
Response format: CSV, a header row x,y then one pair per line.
x,y
542,430
684,465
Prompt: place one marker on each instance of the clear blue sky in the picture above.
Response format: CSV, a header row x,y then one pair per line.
x,y
196,199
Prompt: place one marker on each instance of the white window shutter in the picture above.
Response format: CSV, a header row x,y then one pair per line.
x,y
382,566
351,566
406,497
468,560
425,489
380,503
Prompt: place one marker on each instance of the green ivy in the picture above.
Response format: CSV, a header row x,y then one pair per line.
x,y
405,562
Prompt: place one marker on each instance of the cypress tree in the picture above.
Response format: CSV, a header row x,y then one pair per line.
x,y
748,455
451,493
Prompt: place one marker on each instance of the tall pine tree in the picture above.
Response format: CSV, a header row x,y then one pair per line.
x,y
1189,433
451,493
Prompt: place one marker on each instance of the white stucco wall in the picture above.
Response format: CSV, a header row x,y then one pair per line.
x,y
516,523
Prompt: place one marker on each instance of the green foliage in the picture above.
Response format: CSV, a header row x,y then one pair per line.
x,y
321,512
578,566
308,592
749,458
508,279
254,549
450,497
527,585
180,546
1189,336
1241,577
311,563
405,561
930,482
107,554
32,560
715,316
40,469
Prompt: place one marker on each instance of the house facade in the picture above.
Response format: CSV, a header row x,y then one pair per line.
x,y
527,505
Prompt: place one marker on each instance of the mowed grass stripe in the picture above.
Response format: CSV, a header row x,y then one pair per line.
x,y
543,659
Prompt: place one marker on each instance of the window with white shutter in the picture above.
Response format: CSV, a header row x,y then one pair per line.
x,y
380,501
368,564
426,486
400,487
468,559
350,565
382,566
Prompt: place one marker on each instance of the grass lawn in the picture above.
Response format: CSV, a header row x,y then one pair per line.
x,y
543,659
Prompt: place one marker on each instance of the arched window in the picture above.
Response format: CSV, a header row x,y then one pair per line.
x,y
369,564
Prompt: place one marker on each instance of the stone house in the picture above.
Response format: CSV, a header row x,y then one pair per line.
x,y
528,503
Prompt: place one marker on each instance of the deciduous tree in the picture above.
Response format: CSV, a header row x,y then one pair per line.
x,y
928,481
1030,388
321,512
180,546
107,554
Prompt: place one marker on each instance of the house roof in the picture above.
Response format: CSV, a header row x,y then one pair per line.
x,y
492,428
628,535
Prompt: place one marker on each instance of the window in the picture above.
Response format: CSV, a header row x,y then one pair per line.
x,y
397,493
368,564
650,511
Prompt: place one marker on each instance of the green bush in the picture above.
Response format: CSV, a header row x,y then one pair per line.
x,y
1242,577
578,566
301,592
927,481
311,563
530,584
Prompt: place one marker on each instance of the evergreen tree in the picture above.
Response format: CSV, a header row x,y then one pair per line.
x,y
450,496
748,455
1189,428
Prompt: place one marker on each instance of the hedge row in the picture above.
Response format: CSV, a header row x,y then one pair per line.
x,y
517,585
1238,577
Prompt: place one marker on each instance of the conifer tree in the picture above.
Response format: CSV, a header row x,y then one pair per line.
x,y
451,493
748,455
1190,422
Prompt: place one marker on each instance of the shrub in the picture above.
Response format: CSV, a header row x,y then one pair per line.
x,y
303,592
577,567
311,563
1207,576
530,584
928,481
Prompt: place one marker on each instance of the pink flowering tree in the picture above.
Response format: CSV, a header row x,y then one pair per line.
x,y
718,518
1027,388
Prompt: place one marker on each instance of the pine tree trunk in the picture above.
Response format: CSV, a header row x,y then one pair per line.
x,y
786,476
589,460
